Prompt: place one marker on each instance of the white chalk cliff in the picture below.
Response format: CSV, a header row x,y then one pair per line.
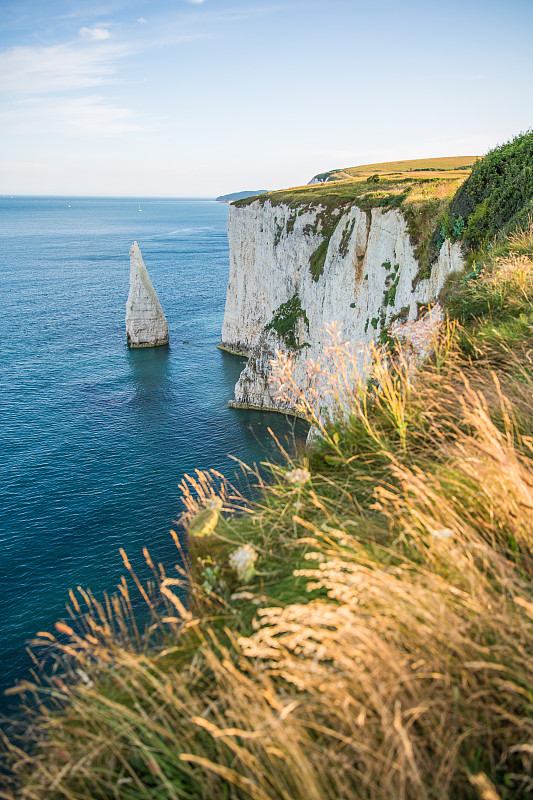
x,y
146,324
369,278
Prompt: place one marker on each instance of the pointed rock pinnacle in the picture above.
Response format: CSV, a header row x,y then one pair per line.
x,y
146,324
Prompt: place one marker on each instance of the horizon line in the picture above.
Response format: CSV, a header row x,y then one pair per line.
x,y
10,195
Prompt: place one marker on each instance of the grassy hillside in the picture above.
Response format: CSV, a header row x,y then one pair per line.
x,y
364,630
446,164
422,179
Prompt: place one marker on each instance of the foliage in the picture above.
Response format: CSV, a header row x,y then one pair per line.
x,y
422,219
340,195
495,199
402,315
285,322
318,258
389,295
495,288
498,195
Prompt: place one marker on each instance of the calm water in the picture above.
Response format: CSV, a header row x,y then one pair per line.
x,y
96,437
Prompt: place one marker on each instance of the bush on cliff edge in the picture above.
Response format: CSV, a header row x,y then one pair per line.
x,y
497,197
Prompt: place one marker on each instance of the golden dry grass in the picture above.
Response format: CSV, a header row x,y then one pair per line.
x,y
430,177
444,163
384,647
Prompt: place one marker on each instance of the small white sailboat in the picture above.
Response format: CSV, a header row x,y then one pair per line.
x,y
140,209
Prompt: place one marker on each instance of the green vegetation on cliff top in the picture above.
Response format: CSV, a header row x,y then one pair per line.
x,y
421,178
363,630
443,164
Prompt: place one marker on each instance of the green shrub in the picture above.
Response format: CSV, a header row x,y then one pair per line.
x,y
389,295
285,321
497,197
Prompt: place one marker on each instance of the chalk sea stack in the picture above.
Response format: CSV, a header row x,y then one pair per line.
x,y
146,324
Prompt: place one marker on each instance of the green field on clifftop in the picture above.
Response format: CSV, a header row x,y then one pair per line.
x,y
428,178
446,164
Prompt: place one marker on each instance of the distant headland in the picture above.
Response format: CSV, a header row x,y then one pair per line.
x,y
229,198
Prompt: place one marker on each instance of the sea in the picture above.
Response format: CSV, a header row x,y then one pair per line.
x,y
95,437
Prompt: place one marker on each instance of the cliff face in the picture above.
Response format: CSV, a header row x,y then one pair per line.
x,y
366,280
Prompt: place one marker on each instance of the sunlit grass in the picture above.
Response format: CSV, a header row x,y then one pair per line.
x,y
382,644
447,165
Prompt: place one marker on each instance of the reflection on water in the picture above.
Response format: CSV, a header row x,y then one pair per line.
x,y
150,374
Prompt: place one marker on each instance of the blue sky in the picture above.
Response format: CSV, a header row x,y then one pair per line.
x,y
203,97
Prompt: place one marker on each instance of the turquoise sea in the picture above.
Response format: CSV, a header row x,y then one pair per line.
x,y
96,437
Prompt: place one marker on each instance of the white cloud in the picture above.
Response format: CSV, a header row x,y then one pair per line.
x,y
196,2
142,20
100,117
94,34
40,70
93,116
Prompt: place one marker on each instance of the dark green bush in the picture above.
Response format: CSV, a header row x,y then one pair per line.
x,y
496,198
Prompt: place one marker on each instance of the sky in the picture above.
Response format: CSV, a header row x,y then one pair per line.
x,y
189,98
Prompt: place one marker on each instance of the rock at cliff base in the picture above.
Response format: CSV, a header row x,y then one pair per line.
x,y
146,324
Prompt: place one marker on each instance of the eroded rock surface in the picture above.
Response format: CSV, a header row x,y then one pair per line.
x,y
146,324
368,280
